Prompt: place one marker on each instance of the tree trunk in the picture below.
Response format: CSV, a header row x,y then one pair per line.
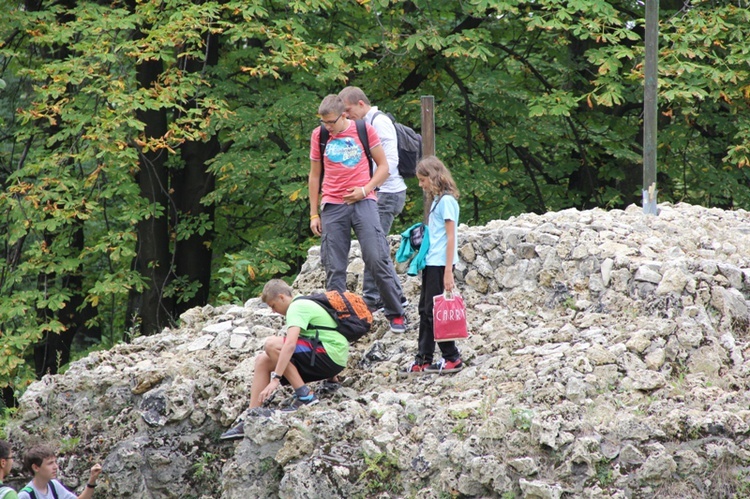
x,y
190,185
149,312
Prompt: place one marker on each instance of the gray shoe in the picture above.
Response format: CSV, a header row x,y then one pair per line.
x,y
234,433
237,432
259,412
298,402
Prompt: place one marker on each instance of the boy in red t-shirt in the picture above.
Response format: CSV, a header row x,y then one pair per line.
x,y
349,202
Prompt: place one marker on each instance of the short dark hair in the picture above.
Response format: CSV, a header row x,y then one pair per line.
x,y
5,450
37,455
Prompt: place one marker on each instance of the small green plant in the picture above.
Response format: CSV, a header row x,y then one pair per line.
x,y
508,495
268,465
604,474
460,429
570,303
203,470
381,474
411,417
459,414
521,418
69,444
742,480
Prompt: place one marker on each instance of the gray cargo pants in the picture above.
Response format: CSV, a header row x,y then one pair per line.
x,y
338,220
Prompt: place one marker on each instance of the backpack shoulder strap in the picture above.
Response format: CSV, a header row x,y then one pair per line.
x,y
378,113
362,132
322,141
29,491
54,491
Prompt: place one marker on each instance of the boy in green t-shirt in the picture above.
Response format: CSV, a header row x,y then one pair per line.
x,y
6,464
289,360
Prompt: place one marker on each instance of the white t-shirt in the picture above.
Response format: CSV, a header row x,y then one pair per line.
x,y
387,133
62,492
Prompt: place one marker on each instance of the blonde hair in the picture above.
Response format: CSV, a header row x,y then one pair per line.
x,y
440,178
352,95
332,104
273,289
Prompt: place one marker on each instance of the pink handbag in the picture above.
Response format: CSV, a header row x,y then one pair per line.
x,y
449,317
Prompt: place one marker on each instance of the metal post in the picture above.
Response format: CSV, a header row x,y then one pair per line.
x,y
428,142
649,107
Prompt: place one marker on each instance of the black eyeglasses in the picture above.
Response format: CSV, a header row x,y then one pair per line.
x,y
324,122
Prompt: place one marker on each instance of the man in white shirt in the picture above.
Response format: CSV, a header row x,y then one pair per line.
x,y
392,194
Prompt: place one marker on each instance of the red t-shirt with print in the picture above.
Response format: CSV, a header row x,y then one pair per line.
x,y
345,164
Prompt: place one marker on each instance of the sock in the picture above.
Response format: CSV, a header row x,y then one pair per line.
x,y
303,392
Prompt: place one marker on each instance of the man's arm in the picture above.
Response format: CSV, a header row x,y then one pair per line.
x,y
285,356
88,492
313,188
381,175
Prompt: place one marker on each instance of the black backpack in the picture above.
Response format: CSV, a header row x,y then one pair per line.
x,y
409,144
325,137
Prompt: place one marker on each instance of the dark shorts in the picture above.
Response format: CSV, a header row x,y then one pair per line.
x,y
324,367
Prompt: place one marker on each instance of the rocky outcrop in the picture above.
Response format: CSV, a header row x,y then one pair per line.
x,y
607,360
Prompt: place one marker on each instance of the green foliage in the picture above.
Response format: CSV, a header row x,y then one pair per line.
x,y
69,444
205,468
521,418
604,474
6,414
381,474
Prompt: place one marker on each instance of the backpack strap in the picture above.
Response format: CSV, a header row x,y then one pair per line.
x,y
315,342
324,137
362,132
32,494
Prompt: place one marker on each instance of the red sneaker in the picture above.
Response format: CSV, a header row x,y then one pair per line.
x,y
445,366
415,368
398,324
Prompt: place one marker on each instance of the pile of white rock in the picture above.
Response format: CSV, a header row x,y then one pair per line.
x,y
607,359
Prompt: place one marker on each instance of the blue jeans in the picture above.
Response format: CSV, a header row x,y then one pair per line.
x,y
390,204
338,220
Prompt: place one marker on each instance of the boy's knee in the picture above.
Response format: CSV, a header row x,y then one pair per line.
x,y
262,358
273,345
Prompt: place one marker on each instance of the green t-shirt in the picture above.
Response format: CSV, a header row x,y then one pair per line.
x,y
10,494
303,313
